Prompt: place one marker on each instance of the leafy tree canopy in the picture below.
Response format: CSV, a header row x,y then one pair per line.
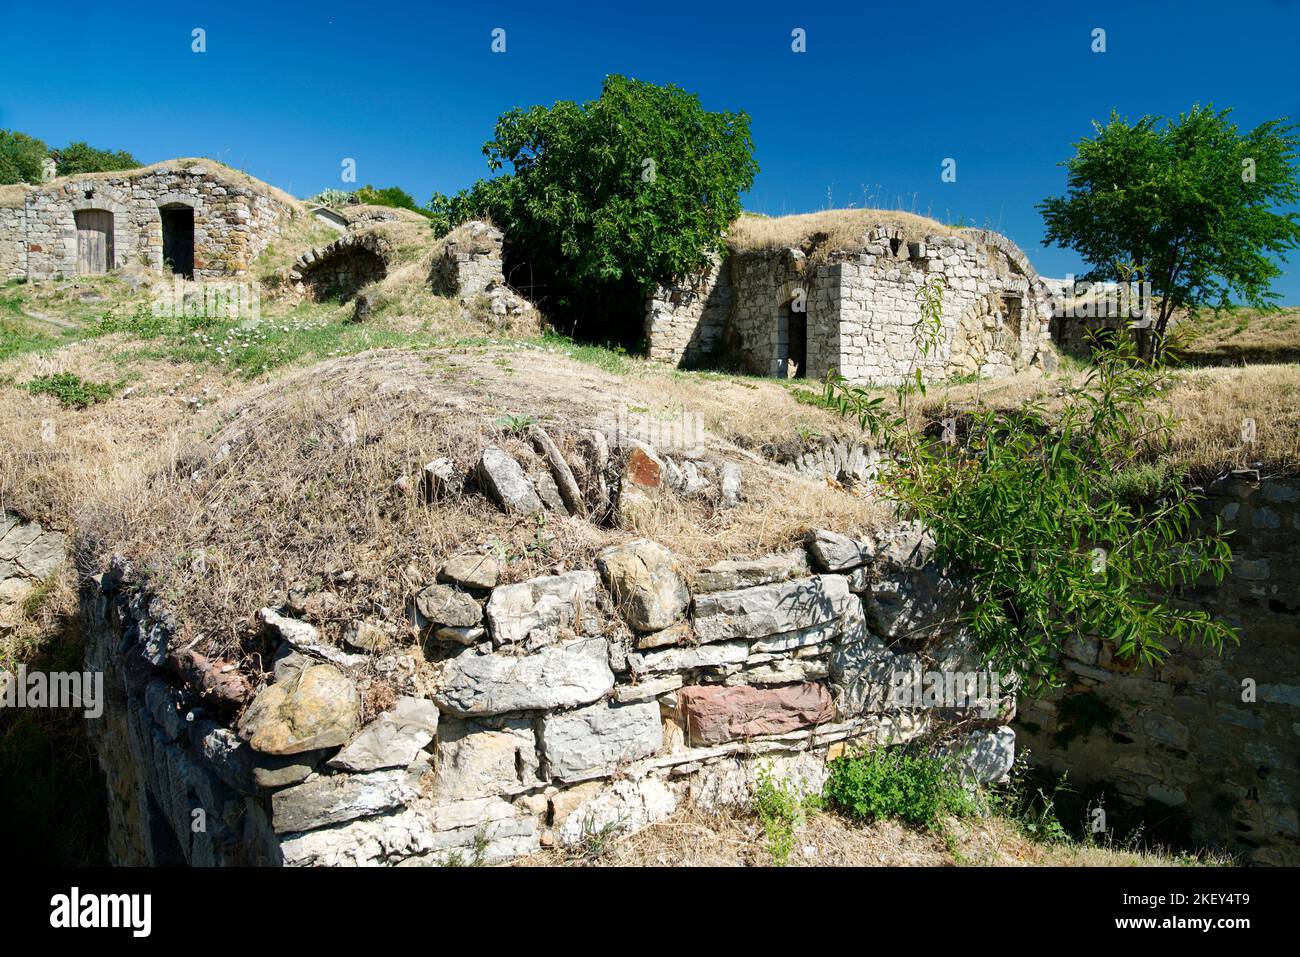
x,y
604,198
20,157
1191,203
80,157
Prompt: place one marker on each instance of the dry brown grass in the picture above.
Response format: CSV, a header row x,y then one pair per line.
x,y
227,174
735,838
13,196
1234,336
1208,404
306,488
55,460
827,231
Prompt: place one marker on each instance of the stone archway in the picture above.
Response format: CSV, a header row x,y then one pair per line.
x,y
341,269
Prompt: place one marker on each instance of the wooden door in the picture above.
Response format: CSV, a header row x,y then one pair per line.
x,y
94,241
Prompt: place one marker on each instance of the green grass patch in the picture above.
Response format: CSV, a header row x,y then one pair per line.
x,y
18,335
247,348
613,359
71,390
1141,484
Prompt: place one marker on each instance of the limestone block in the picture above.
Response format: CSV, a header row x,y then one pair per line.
x,y
559,676
598,737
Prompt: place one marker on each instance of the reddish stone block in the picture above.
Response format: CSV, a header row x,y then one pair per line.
x,y
713,714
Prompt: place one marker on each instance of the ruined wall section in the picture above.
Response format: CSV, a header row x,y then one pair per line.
x,y
860,310
1178,740
995,309
234,218
180,783
545,712
685,320
13,235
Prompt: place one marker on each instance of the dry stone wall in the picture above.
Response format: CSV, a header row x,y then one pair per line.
x,y
685,321
13,238
548,711
468,265
1203,739
543,712
342,268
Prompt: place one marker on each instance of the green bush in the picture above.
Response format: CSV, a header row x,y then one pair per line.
x,y
892,783
70,389
1020,505
333,198
391,196
606,197
781,808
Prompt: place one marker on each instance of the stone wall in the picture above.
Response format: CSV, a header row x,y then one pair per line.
x,y
539,713
234,218
28,553
179,782
860,310
1180,741
13,243
468,266
469,262
342,268
685,320
765,287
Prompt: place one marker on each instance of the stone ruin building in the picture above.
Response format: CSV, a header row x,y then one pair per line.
x,y
853,310
194,218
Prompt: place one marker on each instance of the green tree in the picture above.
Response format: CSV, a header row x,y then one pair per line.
x,y
393,196
20,157
1020,506
1190,203
607,197
80,157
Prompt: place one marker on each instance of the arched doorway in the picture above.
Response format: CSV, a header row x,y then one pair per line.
x,y
94,241
178,238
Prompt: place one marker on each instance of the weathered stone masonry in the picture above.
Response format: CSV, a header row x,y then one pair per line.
x,y
860,312
233,218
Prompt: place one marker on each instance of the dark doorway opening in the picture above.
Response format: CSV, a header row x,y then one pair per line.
x,y
792,344
608,313
178,239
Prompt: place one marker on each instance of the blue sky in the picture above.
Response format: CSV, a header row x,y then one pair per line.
x,y
884,93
